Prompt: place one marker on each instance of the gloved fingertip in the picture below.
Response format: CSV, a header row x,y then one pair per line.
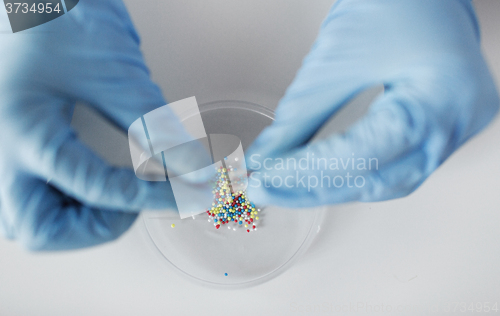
x,y
258,195
199,176
158,195
255,155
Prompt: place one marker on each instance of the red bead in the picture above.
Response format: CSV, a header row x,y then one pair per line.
x,y
248,230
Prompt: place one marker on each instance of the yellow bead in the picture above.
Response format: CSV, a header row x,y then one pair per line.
x,y
257,218
173,225
246,225
251,216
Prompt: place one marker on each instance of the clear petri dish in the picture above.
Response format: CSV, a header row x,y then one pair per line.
x,y
230,257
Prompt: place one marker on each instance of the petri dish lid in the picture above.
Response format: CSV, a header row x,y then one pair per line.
x,y
230,257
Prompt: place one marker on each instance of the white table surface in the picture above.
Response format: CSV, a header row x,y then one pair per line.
x,y
439,246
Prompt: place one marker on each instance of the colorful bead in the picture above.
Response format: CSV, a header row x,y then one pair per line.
x,y
230,206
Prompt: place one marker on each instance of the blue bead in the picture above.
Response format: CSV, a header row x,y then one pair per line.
x,y
240,222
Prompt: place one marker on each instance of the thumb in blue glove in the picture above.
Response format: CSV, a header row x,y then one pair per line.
x,y
91,55
438,93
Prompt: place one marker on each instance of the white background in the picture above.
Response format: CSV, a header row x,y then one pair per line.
x,y
440,245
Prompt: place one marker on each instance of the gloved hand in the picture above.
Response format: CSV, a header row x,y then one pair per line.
x,y
438,93
91,54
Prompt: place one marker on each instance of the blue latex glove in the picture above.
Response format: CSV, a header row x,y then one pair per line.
x,y
438,93
91,54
